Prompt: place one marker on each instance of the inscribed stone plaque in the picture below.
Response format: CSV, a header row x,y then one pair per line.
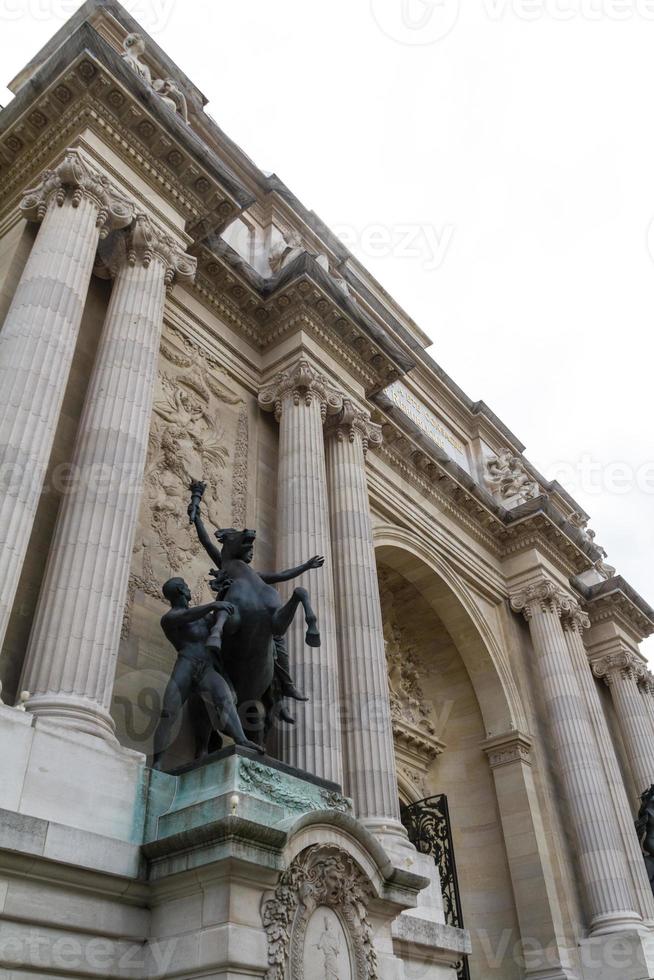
x,y
430,424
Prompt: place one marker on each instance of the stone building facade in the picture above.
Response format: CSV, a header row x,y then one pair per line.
x,y
170,312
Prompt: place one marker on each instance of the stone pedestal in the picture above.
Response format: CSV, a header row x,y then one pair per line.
x,y
622,670
71,658
224,870
301,400
602,863
369,758
76,206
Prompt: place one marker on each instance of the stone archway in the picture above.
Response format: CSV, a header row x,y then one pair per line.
x,y
501,849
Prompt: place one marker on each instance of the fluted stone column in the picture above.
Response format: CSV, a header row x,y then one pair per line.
x,y
575,622
301,399
76,206
622,670
369,756
71,659
602,862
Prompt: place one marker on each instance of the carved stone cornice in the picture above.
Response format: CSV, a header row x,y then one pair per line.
x,y
543,596
304,297
353,421
96,89
301,383
142,244
73,178
614,666
505,749
416,749
615,601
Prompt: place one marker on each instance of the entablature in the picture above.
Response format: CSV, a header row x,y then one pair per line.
x,y
616,601
87,84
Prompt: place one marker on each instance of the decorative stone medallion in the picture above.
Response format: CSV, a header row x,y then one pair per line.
x,y
317,921
327,953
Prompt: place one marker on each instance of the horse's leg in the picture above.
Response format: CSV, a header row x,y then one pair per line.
x,y
283,617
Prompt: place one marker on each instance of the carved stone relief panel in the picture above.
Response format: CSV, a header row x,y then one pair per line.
x,y
416,740
199,430
317,922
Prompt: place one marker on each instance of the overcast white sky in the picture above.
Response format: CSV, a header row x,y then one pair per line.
x,y
493,166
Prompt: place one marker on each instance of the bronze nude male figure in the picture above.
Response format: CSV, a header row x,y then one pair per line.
x,y
188,628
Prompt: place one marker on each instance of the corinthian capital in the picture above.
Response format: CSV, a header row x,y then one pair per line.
x,y
542,597
301,384
75,179
142,244
351,422
574,619
647,683
616,666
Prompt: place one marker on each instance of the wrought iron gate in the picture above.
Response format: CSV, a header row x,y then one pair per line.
x,y
428,826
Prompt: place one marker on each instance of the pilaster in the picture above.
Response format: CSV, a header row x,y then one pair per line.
x,y
532,876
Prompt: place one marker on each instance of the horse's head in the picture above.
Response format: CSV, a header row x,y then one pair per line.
x,y
237,544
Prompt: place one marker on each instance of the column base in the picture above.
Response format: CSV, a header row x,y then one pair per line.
x,y
393,837
552,974
71,779
610,925
621,956
75,714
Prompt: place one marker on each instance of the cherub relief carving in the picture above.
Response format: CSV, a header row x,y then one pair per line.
x,y
507,477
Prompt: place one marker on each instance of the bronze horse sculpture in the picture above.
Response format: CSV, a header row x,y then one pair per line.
x,y
248,638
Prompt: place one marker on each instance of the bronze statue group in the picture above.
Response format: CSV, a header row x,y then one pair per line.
x,y
231,653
